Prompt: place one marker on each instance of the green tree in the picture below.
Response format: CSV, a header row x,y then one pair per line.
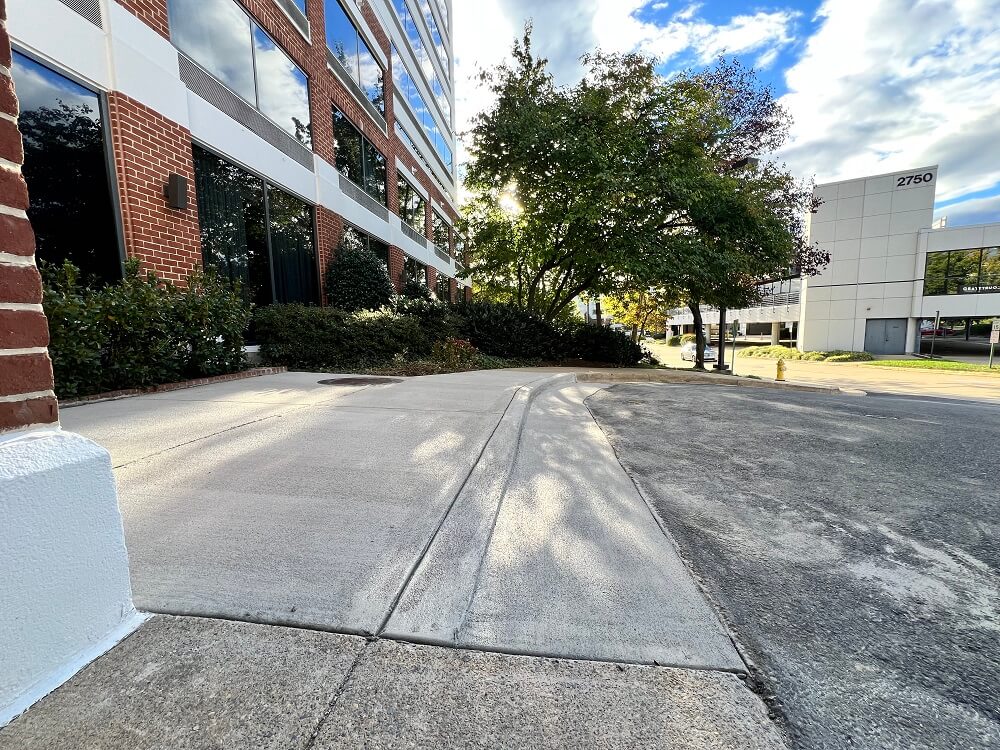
x,y
641,309
357,279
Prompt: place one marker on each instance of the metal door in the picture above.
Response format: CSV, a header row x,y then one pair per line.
x,y
885,336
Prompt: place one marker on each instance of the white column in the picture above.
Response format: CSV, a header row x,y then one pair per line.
x,y
775,333
912,335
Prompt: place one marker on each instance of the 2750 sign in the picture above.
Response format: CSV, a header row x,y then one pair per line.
x,y
914,179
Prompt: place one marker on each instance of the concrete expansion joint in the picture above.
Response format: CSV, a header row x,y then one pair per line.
x,y
332,705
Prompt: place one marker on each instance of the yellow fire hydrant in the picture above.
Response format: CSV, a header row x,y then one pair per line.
x,y
781,371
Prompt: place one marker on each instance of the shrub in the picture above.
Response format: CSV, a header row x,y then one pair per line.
x,y
601,344
413,289
674,341
357,280
689,337
438,320
784,352
321,338
140,331
456,354
510,332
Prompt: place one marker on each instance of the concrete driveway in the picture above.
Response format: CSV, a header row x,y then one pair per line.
x,y
512,586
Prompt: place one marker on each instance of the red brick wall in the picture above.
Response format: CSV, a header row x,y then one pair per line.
x,y
148,148
325,92
152,12
26,396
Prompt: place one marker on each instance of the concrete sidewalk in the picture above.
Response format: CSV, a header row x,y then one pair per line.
x,y
473,513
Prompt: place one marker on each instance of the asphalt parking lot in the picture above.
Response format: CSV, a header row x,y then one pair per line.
x,y
850,542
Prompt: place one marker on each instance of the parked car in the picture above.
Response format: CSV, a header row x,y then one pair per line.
x,y
932,331
689,352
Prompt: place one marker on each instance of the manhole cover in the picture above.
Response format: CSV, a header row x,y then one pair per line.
x,y
360,381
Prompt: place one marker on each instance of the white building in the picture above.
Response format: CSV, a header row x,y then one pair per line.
x,y
889,269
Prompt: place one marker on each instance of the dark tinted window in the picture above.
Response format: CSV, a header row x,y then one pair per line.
x,y
66,168
413,270
412,206
443,290
358,160
255,234
293,247
974,271
442,233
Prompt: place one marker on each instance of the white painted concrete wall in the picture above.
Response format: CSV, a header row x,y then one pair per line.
x,y
65,596
870,228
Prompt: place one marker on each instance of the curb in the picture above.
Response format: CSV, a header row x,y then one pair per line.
x,y
166,387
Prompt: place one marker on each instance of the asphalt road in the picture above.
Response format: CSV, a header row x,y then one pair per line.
x,y
852,544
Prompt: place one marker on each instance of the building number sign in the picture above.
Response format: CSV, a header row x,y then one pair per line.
x,y
914,179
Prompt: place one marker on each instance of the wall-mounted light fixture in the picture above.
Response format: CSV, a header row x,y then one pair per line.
x,y
176,191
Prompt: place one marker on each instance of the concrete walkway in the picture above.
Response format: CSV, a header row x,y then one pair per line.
x,y
472,513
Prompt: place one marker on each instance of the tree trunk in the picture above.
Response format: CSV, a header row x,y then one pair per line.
x,y
699,333
597,312
635,333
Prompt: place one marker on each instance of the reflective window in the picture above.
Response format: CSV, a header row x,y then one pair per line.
x,y
412,206
355,238
66,168
254,233
414,270
442,232
282,88
408,90
221,37
443,288
216,34
357,159
405,138
301,5
350,50
974,271
423,59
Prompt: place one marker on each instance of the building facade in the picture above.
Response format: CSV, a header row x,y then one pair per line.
x,y
250,136
890,271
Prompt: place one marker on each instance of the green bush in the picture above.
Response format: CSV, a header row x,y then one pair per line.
x,y
141,331
784,352
601,344
510,332
438,320
674,341
689,337
322,338
357,280
418,290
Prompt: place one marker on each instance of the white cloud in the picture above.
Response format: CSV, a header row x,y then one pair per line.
x,y
896,84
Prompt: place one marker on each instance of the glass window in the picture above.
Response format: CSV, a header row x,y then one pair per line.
x,y
255,234
351,51
972,271
301,5
412,206
442,232
66,168
231,217
282,88
408,90
216,34
355,238
221,37
413,270
358,160
989,280
443,288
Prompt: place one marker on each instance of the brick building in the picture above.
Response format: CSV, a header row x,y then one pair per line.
x,y
282,127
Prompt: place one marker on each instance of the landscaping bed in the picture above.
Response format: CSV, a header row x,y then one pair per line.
x,y
787,353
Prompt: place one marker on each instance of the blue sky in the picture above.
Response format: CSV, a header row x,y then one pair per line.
x,y
874,86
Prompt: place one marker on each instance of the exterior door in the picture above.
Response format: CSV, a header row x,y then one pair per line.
x,y
885,336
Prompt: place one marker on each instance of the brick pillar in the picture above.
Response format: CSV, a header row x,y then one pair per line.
x,y
26,396
396,258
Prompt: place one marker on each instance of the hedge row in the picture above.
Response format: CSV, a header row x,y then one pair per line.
x,y
140,331
314,338
784,352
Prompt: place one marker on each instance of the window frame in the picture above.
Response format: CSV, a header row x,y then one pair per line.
x,y
355,77
958,280
364,142
109,148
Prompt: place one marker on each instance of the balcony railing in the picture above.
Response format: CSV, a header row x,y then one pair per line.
x,y
358,195
413,234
